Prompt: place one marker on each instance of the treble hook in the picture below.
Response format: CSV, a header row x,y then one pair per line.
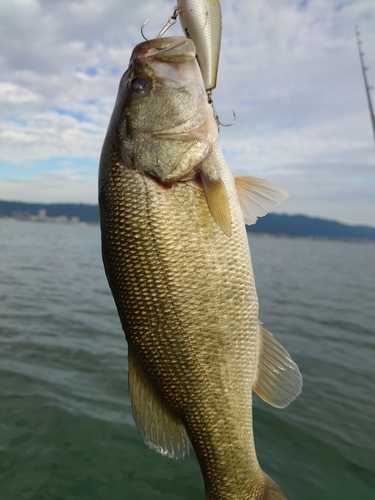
x,y
216,116
171,21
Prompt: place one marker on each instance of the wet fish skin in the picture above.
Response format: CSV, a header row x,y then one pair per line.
x,y
201,20
183,287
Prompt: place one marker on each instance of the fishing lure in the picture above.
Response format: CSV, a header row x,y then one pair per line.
x,y
201,20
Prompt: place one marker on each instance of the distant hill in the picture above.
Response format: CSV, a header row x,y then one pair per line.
x,y
288,225
301,225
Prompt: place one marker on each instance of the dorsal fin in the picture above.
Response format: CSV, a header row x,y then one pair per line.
x,y
278,380
160,430
257,196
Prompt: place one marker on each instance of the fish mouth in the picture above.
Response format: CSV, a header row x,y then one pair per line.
x,y
170,50
171,59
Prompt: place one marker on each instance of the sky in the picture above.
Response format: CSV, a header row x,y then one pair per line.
x,y
289,69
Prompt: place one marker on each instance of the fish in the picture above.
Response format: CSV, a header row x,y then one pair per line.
x,y
176,256
201,20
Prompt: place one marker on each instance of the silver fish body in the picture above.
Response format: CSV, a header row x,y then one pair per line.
x,y
176,256
201,21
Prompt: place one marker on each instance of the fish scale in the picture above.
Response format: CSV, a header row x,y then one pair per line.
x,y
158,257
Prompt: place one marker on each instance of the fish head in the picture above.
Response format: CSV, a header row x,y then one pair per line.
x,y
162,123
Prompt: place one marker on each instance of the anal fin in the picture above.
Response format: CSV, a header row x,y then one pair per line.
x,y
278,381
160,430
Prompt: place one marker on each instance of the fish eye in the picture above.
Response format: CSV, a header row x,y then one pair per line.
x,y
140,84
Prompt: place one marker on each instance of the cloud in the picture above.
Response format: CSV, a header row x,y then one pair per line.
x,y
65,186
289,69
15,94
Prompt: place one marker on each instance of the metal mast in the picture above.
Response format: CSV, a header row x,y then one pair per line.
x,y
367,86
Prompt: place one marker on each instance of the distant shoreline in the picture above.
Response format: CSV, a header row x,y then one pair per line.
x,y
310,227
281,225
256,234
51,220
252,234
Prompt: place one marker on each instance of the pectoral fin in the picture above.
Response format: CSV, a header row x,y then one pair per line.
x,y
160,430
278,381
217,198
257,196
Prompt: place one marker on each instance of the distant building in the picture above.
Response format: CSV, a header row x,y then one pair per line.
x,y
43,217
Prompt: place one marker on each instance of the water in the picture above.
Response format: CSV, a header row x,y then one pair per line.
x,y
66,430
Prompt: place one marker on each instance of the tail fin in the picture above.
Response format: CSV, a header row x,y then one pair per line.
x,y
270,490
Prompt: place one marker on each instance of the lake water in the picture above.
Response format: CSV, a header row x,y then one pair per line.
x,y
66,430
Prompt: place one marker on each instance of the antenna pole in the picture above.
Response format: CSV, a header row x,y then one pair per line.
x,y
367,86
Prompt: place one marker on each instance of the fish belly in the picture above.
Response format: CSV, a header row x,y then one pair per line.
x,y
187,302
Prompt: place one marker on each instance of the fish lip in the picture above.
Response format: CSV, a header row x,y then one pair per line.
x,y
181,133
168,49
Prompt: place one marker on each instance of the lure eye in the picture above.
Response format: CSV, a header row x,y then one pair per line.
x,y
140,84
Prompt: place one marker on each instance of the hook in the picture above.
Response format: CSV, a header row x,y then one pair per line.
x,y
228,124
143,25
216,116
171,21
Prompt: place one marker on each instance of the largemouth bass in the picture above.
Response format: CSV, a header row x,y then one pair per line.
x,y
177,259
